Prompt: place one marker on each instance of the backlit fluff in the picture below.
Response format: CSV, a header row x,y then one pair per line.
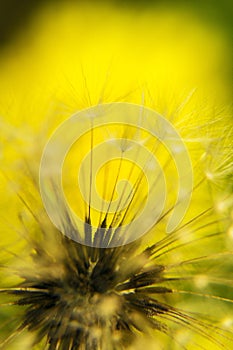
x,y
168,291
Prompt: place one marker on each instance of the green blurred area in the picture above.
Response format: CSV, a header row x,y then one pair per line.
x,y
15,14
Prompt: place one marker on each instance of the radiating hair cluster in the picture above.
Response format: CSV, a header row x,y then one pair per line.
x,y
129,245
162,288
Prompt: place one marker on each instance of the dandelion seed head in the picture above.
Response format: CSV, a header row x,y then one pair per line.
x,y
164,289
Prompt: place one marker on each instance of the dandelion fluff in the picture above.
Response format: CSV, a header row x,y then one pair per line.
x,y
165,290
